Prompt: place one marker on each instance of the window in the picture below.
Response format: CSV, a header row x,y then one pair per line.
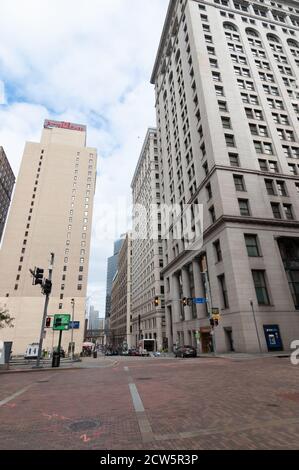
x,y
209,191
226,122
239,183
234,159
270,187
223,290
230,140
79,287
273,167
212,214
244,207
281,188
276,210
260,287
288,212
252,246
218,251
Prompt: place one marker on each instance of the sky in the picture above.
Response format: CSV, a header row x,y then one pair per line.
x,y
86,62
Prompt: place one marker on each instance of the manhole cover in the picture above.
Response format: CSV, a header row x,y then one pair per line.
x,y
42,381
79,426
144,378
273,405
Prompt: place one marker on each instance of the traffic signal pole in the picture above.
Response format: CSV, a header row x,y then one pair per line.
x,y
44,314
209,303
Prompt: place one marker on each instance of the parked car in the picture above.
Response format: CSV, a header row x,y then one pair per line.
x,y
185,351
133,352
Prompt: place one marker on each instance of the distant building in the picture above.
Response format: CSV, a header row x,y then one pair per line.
x,y
148,316
120,316
111,271
93,321
7,181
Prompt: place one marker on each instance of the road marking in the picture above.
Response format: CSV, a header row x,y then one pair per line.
x,y
137,402
143,421
20,392
15,395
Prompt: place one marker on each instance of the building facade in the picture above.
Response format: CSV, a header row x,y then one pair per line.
x,y
148,317
226,80
51,212
7,181
93,319
112,264
121,294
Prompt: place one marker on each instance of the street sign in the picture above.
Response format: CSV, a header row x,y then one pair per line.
x,y
74,325
200,300
61,322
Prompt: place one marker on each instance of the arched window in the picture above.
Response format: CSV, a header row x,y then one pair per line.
x,y
230,26
252,32
293,43
273,38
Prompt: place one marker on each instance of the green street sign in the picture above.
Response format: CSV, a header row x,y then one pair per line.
x,y
61,322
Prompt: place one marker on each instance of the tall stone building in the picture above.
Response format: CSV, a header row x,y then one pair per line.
x,y
226,80
7,181
121,294
51,212
148,318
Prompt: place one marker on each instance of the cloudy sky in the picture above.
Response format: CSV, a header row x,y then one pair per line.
x,y
88,62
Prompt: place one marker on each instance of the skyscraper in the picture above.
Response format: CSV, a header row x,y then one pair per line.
x,y
111,271
226,79
7,181
121,295
93,320
51,212
148,318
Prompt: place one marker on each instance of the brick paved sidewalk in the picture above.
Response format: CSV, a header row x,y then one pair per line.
x,y
154,404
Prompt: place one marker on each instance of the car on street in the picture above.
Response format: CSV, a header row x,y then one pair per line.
x,y
185,351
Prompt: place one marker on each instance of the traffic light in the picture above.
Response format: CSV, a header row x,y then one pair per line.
x,y
48,322
38,276
47,287
157,301
185,301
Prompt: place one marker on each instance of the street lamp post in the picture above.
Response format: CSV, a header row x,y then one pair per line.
x,y
72,334
257,331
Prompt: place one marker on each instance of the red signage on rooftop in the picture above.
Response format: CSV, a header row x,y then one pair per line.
x,y
64,125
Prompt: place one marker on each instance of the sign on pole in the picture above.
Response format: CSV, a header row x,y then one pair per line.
x,y
200,300
61,322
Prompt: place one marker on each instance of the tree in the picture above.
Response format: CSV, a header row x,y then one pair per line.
x,y
5,319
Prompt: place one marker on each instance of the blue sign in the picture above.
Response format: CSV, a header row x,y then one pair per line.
x,y
200,300
74,325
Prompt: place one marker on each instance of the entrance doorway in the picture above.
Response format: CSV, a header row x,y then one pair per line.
x,y
206,341
229,339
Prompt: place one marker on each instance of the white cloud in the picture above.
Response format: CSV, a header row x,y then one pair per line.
x,y
88,62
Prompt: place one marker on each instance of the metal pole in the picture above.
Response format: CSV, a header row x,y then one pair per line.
x,y
59,346
257,331
72,335
209,303
44,315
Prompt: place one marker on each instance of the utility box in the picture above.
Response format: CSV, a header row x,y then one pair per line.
x,y
5,352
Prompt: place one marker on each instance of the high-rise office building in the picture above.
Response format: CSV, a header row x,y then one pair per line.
x,y
7,181
120,332
226,79
148,319
93,319
111,271
51,212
